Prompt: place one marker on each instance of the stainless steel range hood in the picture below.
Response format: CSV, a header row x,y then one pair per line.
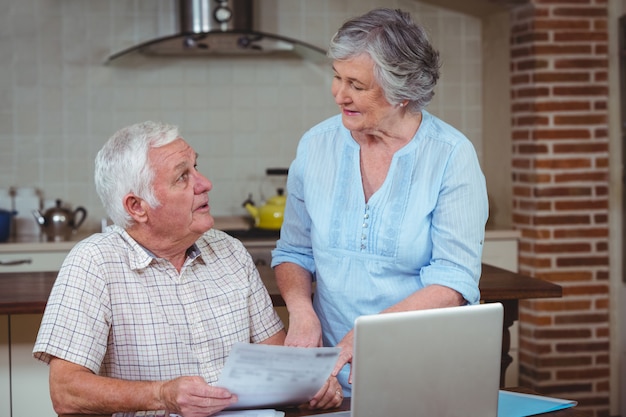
x,y
221,28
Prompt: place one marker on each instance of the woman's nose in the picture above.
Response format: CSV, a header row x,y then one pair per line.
x,y
339,94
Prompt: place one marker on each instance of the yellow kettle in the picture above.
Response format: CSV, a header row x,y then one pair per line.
x,y
270,215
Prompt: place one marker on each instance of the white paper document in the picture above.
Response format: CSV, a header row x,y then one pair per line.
x,y
240,413
250,413
266,375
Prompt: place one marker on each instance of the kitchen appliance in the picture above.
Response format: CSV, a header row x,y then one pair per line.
x,y
269,216
58,223
6,218
221,27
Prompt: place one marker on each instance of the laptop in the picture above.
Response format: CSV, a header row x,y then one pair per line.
x,y
438,363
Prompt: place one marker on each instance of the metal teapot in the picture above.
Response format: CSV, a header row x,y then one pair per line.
x,y
270,215
58,223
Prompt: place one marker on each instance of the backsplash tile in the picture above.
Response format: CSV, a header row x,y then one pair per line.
x,y
59,103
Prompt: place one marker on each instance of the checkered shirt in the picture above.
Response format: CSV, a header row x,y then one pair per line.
x,y
121,312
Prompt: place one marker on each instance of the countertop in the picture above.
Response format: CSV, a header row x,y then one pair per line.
x,y
38,243
27,292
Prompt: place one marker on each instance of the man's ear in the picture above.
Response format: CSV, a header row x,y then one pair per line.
x,y
136,207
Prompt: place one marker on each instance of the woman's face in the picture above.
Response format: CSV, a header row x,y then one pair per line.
x,y
362,101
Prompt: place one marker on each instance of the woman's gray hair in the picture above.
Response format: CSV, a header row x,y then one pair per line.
x,y
123,167
406,65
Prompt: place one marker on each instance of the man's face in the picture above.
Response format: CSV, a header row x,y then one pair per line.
x,y
184,212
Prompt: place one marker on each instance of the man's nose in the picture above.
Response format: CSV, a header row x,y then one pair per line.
x,y
203,184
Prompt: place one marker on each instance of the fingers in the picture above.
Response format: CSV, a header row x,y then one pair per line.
x,y
192,396
344,358
329,396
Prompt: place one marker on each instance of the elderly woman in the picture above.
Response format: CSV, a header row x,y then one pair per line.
x,y
387,204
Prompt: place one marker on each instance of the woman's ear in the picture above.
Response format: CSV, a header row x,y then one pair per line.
x,y
136,208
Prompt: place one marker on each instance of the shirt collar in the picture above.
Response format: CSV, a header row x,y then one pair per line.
x,y
140,256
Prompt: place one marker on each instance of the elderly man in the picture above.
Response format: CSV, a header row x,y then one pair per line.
x,y
143,315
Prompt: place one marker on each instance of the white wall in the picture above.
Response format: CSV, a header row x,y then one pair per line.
x,y
59,103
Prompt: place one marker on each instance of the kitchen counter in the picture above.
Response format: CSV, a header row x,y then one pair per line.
x,y
231,223
37,243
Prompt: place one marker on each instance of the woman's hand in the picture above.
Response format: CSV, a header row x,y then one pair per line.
x,y
305,330
345,356
329,396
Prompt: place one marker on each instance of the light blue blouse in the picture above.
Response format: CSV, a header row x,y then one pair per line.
x,y
425,225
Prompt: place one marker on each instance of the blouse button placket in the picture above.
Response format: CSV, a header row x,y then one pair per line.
x,y
365,225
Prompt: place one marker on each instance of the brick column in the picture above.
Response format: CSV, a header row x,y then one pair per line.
x,y
559,94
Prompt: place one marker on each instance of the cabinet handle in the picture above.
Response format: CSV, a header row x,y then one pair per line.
x,y
15,262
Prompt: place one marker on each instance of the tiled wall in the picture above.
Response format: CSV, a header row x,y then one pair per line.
x,y
59,103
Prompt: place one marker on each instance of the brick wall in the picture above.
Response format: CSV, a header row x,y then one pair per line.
x,y
559,79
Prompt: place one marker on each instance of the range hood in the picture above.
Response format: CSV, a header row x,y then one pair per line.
x,y
221,28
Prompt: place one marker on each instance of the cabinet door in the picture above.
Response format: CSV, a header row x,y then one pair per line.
x,y
29,377
501,253
5,380
32,261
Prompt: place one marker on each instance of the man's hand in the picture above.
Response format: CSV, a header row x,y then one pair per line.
x,y
74,389
191,396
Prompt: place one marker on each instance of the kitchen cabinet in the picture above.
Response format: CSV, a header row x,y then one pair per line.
x,y
500,249
29,377
33,256
5,368
22,378
32,261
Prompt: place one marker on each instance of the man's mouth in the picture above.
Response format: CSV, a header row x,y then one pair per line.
x,y
204,206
